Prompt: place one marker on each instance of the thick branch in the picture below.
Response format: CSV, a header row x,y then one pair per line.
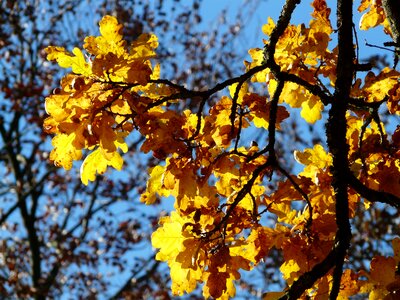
x,y
308,279
372,195
336,135
336,139
277,32
392,12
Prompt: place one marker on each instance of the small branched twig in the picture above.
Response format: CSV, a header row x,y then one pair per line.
x,y
270,148
378,47
255,208
377,119
235,98
239,129
361,139
301,192
246,189
185,93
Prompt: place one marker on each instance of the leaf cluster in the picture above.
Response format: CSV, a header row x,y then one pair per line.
x,y
219,185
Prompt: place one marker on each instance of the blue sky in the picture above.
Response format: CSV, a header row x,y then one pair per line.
x,y
271,8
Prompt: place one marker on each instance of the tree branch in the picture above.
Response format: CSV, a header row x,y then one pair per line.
x,y
336,130
338,147
392,12
372,195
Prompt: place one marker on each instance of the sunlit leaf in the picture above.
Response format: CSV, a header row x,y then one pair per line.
x,y
78,63
97,163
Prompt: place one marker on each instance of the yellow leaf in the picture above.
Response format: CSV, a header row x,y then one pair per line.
x,y
267,28
96,162
260,111
321,20
121,69
107,136
54,106
258,57
317,162
168,238
243,90
284,212
373,17
183,280
293,94
364,5
377,87
289,270
316,156
257,245
120,143
66,149
221,123
110,40
144,46
311,109
154,185
180,249
66,60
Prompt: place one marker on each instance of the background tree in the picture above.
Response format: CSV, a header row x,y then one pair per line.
x,y
57,236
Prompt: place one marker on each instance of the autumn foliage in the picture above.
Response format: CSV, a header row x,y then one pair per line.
x,y
218,181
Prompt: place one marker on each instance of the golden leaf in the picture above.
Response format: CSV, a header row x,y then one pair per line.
x,y
267,28
168,238
110,40
96,162
144,46
377,87
66,60
316,157
372,18
154,185
178,247
66,149
242,92
290,269
311,109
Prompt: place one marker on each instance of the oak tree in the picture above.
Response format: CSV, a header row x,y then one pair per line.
x,y
220,185
236,203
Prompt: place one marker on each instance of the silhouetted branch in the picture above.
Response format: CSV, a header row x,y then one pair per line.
x,y
338,147
372,195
